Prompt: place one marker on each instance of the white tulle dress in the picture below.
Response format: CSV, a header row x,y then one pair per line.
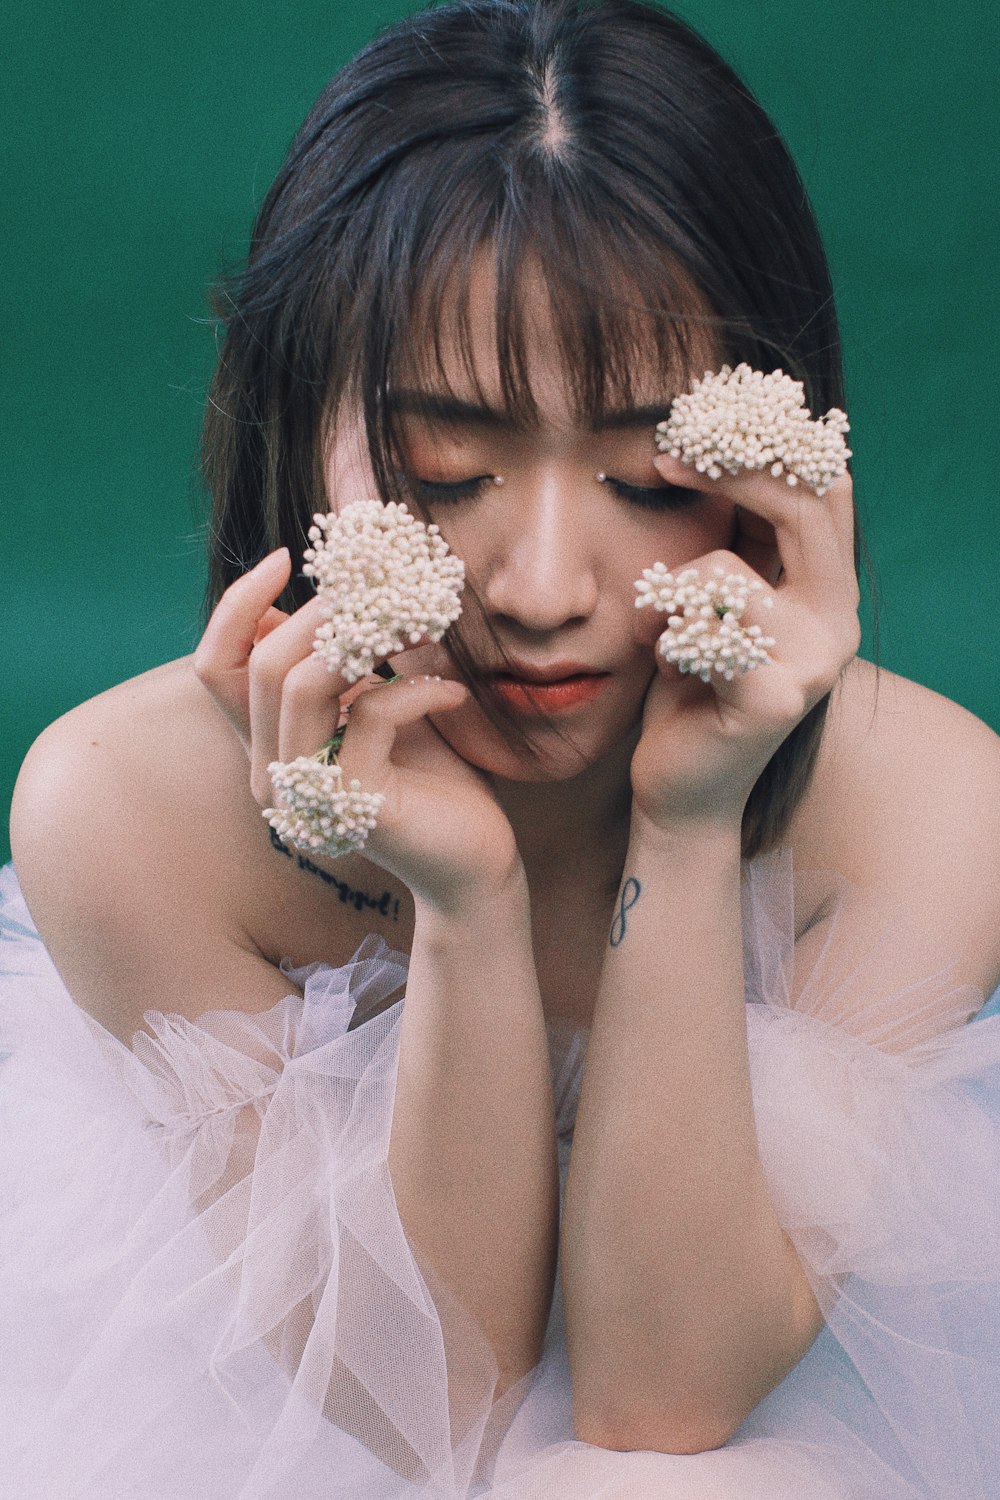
x,y
206,1291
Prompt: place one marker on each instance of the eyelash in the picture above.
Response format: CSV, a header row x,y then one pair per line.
x,y
656,497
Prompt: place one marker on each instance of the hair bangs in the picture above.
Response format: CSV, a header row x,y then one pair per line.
x,y
627,321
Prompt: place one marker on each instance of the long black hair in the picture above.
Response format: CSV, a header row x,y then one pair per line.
x,y
605,142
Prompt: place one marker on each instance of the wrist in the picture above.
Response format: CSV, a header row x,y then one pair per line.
x,y
482,946
489,909
679,839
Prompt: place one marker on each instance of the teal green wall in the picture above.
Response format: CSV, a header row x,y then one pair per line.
x,y
137,142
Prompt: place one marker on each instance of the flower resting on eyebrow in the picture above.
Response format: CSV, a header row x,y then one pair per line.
x,y
387,581
744,419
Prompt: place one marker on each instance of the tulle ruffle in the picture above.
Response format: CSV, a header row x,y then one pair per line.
x,y
207,1291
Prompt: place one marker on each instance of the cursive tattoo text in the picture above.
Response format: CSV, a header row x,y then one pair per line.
x,y
387,905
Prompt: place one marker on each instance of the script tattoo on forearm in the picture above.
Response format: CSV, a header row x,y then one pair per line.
x,y
630,893
387,905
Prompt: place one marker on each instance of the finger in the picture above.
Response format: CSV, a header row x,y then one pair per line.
x,y
271,621
288,647
814,534
294,704
220,659
693,640
230,633
310,710
806,652
377,716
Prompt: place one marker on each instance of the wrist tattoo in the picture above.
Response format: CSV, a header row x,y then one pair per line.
x,y
630,893
387,905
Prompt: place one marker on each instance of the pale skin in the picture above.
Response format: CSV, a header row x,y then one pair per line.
x,y
510,875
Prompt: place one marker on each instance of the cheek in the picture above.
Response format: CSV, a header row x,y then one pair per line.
x,y
715,521
705,528
349,474
677,541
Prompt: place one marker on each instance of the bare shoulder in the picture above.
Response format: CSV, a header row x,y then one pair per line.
x,y
906,803
151,874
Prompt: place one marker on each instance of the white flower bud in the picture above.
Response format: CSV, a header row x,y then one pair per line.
x,y
316,811
743,419
703,632
386,581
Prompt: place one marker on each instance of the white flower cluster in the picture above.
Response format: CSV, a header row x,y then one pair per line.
x,y
387,581
316,810
744,419
703,633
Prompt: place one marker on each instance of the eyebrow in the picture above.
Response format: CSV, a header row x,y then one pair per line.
x,y
435,406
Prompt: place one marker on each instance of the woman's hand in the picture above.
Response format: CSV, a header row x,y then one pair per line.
x,y
704,745
440,829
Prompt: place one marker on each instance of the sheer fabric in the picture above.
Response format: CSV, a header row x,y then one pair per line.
x,y
207,1291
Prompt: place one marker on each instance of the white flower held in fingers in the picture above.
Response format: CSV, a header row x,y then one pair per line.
x,y
387,582
316,811
744,419
703,633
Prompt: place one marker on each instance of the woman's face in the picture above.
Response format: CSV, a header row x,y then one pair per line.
x,y
553,553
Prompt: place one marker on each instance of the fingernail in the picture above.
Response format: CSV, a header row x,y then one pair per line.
x,y
282,553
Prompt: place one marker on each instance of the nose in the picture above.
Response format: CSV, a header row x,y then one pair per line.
x,y
542,566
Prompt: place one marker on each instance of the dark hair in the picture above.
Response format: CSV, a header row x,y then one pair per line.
x,y
605,141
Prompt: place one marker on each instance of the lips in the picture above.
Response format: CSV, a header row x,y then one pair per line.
x,y
558,688
554,671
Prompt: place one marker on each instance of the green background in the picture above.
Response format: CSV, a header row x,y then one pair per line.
x,y
139,140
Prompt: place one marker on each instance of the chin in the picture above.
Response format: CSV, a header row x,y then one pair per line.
x,y
557,758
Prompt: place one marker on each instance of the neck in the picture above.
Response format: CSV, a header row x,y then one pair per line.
x,y
576,829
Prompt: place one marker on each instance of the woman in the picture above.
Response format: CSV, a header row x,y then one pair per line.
x,y
285,1232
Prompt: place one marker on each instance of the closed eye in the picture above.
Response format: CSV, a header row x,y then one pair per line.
x,y
650,497
654,497
433,490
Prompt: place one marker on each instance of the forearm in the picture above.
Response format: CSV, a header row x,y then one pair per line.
x,y
472,1151
684,1301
